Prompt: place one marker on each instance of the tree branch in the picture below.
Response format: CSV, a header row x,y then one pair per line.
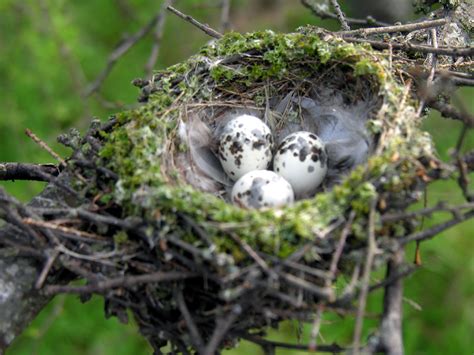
x,y
398,28
206,29
25,171
390,338
449,51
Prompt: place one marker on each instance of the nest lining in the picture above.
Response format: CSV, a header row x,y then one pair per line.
x,y
268,265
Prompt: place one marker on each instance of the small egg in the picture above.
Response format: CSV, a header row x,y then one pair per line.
x,y
301,159
246,144
262,189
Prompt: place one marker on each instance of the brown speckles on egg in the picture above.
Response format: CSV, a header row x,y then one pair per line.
x,y
301,160
246,145
261,189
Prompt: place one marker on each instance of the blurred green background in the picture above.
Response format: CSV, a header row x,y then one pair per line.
x,y
52,49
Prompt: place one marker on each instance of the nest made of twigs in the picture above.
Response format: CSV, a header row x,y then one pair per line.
x,y
158,236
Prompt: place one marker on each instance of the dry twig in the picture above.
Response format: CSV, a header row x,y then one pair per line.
x,y
320,12
205,28
396,28
25,171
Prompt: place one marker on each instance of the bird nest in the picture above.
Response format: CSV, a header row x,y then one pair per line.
x,y
154,231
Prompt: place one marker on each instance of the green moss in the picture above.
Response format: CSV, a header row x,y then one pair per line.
x,y
138,149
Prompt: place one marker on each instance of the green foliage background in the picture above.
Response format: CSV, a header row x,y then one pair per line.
x,y
52,49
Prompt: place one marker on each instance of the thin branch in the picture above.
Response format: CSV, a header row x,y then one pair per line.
x,y
390,339
44,146
396,28
24,171
205,28
333,348
449,51
196,337
431,232
401,274
225,15
222,326
157,36
449,111
319,11
122,48
440,207
432,60
468,159
340,15
371,250
46,269
75,233
124,281
340,247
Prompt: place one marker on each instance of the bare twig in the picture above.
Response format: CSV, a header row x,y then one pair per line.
x,y
390,338
334,348
449,51
371,250
315,328
196,337
253,254
432,59
440,207
157,36
225,15
431,232
43,145
124,281
340,15
205,28
397,28
80,235
340,246
450,111
222,326
24,171
319,11
46,269
122,48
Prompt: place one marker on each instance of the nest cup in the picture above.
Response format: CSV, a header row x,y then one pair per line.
x,y
243,270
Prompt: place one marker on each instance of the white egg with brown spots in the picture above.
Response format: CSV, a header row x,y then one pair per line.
x,y
246,144
260,189
301,159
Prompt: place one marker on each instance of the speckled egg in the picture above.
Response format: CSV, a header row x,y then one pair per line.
x,y
301,159
262,189
246,144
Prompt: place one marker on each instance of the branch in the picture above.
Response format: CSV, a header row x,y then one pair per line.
x,y
20,302
222,326
264,343
206,29
44,146
318,10
371,250
225,15
390,338
450,111
157,36
449,51
24,171
398,28
340,15
119,51
125,281
431,232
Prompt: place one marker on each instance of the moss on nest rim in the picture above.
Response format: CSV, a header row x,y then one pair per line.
x,y
137,149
